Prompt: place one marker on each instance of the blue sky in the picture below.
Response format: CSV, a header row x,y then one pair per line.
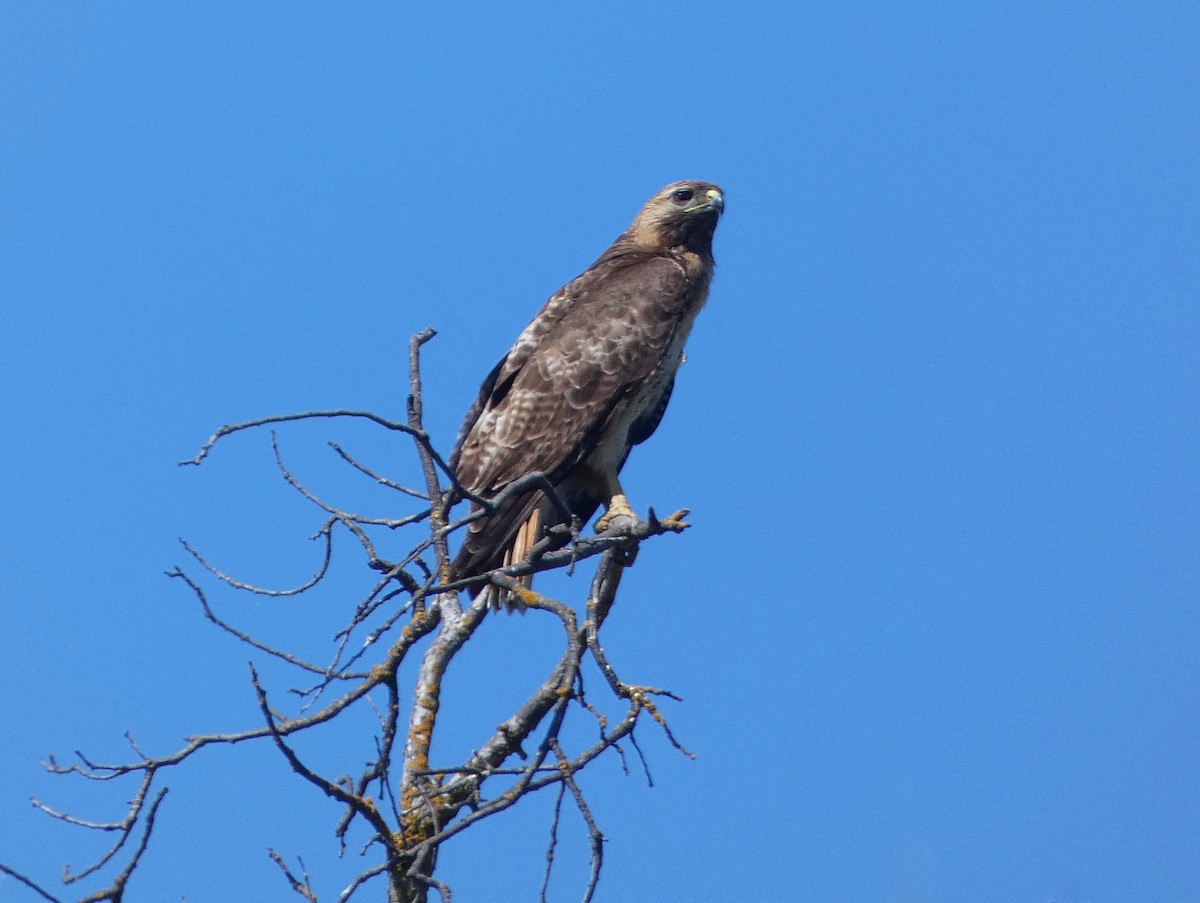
x,y
937,624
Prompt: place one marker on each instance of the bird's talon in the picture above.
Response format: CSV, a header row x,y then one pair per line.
x,y
675,523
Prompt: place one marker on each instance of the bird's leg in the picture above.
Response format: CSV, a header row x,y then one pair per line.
x,y
618,505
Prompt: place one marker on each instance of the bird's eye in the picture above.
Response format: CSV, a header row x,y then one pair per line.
x,y
682,195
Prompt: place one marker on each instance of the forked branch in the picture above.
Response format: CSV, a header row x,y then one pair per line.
x,y
402,807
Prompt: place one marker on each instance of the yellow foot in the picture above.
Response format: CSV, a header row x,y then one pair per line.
x,y
675,523
618,507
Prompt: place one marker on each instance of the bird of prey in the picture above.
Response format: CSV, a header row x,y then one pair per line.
x,y
586,381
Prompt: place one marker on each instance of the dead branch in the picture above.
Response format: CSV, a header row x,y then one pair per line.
x,y
300,885
410,612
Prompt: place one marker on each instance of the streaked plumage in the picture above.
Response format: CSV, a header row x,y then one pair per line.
x,y
588,379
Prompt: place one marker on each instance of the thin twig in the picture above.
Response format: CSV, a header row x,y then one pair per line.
x,y
252,641
303,888
116,891
361,879
290,478
360,805
229,429
594,836
378,478
30,883
416,426
325,531
562,789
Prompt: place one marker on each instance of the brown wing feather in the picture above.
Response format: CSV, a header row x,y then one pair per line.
x,y
539,414
568,374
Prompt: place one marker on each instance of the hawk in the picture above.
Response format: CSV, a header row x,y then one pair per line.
x,y
586,381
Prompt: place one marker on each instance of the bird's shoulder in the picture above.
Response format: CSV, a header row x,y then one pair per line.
x,y
622,275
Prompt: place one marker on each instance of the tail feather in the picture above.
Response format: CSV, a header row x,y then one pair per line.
x,y
527,537
502,539
507,535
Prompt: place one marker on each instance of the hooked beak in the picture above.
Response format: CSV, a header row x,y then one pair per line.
x,y
714,201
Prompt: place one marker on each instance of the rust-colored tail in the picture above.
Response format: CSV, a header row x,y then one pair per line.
x,y
500,540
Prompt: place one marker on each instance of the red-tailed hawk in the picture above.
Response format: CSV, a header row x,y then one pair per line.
x,y
586,381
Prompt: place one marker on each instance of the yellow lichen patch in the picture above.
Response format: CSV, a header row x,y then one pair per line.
x,y
414,834
431,698
416,824
419,738
527,596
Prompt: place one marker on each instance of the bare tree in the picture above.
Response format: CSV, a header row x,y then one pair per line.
x,y
406,805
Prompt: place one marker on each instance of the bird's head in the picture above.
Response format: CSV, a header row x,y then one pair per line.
x,y
681,216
